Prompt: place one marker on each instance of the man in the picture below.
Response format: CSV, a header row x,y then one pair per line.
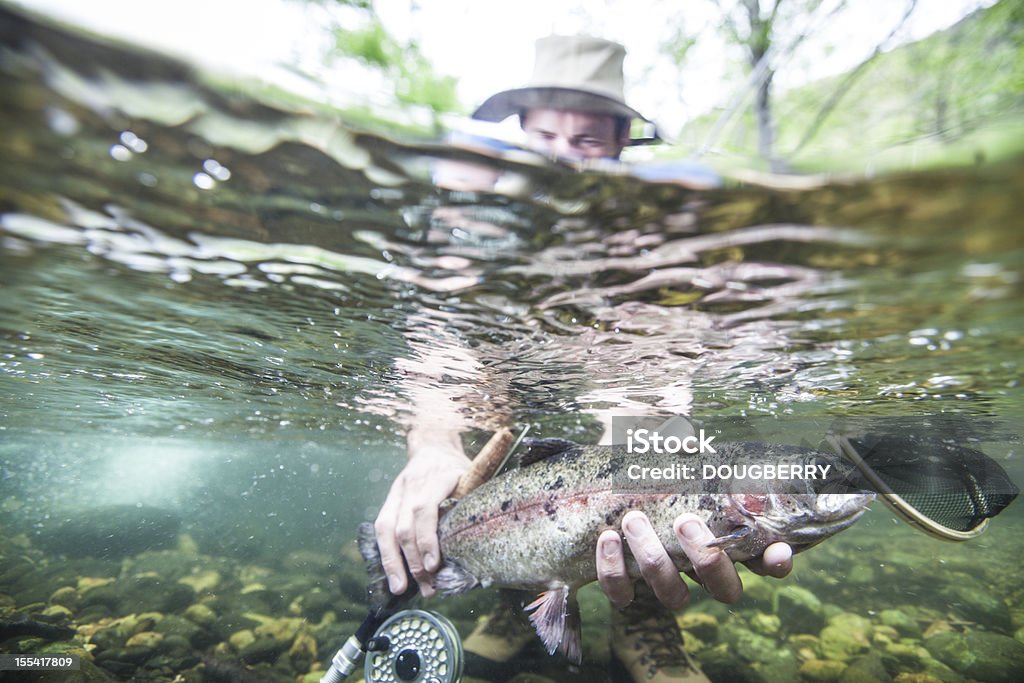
x,y
574,106
573,109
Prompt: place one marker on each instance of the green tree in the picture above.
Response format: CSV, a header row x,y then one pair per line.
x,y
366,39
766,31
976,72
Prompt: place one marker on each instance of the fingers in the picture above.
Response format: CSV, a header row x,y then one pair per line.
x,y
390,551
426,537
713,568
406,529
653,560
611,569
777,561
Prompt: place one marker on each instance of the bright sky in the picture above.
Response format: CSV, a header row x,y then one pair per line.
x,y
488,45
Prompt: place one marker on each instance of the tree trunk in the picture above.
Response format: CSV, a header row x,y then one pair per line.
x,y
765,124
758,45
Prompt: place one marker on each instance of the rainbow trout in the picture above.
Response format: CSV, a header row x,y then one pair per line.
x,y
536,526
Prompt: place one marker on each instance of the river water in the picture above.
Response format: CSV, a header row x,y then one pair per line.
x,y
232,311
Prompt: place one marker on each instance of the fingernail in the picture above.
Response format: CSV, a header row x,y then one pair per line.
x,y
393,584
429,561
610,548
692,531
634,524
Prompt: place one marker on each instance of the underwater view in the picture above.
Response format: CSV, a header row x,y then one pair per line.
x,y
219,318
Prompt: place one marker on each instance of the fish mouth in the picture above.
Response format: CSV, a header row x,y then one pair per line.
x,y
823,515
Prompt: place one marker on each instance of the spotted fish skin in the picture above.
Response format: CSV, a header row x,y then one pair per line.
x,y
536,527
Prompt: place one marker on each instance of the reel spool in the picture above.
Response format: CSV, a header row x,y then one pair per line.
x,y
414,646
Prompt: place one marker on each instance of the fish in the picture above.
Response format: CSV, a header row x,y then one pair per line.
x,y
535,527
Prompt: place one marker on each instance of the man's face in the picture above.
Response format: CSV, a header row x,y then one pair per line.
x,y
572,134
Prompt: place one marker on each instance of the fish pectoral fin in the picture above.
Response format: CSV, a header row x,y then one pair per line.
x,y
452,578
732,538
555,614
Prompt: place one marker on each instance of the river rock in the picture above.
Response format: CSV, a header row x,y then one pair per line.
x,y
783,668
263,649
973,602
867,668
750,646
882,635
307,562
918,677
860,574
822,670
303,652
56,612
799,609
721,665
757,589
14,569
176,625
151,591
937,669
846,636
87,672
147,639
241,639
805,645
202,580
701,625
765,624
176,646
66,596
200,614
907,655
105,596
980,655
88,583
903,623
936,627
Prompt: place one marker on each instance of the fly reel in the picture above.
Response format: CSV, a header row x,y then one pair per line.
x,y
414,646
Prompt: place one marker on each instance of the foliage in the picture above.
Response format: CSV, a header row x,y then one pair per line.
x,y
413,76
957,90
401,64
762,28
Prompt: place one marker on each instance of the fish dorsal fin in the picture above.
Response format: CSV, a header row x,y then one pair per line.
x,y
542,449
555,614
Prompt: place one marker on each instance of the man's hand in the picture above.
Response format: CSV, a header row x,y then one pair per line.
x,y
711,566
407,523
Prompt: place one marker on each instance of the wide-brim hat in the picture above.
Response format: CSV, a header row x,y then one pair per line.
x,y
576,73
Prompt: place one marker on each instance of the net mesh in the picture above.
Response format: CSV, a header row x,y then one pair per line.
x,y
954,486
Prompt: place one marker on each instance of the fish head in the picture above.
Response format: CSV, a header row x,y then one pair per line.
x,y
800,519
801,512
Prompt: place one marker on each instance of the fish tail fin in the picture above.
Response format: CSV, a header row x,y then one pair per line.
x,y
452,579
377,589
555,614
